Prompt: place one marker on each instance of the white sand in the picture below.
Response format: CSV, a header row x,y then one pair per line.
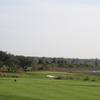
x,y
50,76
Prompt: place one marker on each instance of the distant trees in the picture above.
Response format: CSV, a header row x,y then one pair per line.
x,y
41,60
54,60
34,64
47,62
14,63
2,58
62,63
73,61
96,62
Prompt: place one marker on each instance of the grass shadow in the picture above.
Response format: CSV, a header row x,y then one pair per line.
x,y
13,97
84,85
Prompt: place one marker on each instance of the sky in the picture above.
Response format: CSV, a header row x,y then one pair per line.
x,y
50,28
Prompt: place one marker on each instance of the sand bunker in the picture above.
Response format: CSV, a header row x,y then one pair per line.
x,y
50,76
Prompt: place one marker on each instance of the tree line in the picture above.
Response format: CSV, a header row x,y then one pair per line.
x,y
16,62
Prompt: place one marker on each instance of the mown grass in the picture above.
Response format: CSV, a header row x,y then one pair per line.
x,y
37,86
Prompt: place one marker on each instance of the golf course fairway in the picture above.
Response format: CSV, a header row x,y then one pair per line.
x,y
37,86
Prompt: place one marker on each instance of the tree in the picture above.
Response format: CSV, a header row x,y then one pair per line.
x,y
77,60
96,62
85,64
25,62
54,60
73,61
9,61
2,55
48,67
1,64
41,60
2,58
34,64
16,63
47,62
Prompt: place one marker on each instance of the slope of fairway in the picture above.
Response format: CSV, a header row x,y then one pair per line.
x,y
37,86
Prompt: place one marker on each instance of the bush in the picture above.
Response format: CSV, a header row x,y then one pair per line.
x,y
67,78
8,76
93,80
0,74
17,76
77,78
41,67
59,77
4,74
87,79
13,76
71,77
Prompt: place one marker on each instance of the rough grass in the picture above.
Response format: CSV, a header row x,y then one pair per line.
x,y
37,86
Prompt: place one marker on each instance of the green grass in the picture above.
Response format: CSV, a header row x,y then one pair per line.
x,y
37,86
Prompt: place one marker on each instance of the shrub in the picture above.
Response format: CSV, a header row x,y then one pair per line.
x,y
41,67
0,74
17,76
71,77
78,78
83,79
13,75
67,78
8,76
87,79
59,77
4,74
93,80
